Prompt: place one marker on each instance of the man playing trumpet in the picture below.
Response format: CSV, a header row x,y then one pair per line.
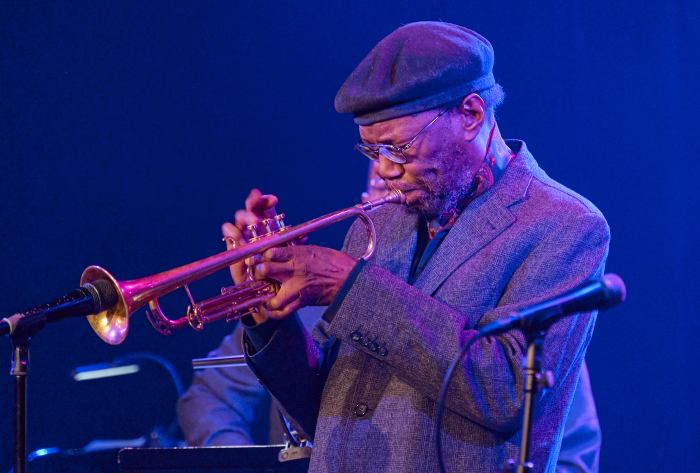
x,y
484,232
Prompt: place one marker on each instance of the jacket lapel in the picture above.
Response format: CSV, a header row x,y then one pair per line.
x,y
397,243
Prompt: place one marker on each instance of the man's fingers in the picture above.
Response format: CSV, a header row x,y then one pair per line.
x,y
269,202
282,313
244,217
287,300
261,205
279,255
287,294
233,238
271,270
252,199
231,234
257,207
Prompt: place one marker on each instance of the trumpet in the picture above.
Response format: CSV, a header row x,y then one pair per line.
x,y
112,324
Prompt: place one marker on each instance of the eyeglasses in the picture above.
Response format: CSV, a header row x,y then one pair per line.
x,y
391,152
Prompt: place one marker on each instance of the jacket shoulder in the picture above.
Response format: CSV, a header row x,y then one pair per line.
x,y
557,205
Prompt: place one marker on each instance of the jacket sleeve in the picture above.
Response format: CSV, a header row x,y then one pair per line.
x,y
293,360
225,406
419,335
293,366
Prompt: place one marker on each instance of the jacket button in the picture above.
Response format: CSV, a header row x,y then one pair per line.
x,y
356,336
372,346
382,351
360,409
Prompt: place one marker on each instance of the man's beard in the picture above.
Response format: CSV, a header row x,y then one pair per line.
x,y
443,194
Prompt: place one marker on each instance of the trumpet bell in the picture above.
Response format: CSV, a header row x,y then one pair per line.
x,y
111,325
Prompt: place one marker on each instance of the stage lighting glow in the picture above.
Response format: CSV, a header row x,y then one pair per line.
x,y
91,372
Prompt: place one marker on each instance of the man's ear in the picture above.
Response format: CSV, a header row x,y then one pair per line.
x,y
473,111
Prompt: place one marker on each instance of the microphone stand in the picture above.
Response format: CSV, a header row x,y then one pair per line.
x,y
20,338
535,378
19,371
535,320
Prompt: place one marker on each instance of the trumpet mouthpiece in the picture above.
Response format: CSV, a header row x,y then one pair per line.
x,y
400,196
394,196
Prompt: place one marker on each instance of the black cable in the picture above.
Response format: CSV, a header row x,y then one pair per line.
x,y
440,405
174,426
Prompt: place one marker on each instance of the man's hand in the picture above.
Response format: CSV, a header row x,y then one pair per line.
x,y
257,207
309,275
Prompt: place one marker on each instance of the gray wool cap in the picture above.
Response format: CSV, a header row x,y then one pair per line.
x,y
418,67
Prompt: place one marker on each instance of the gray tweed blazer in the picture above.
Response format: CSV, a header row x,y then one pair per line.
x,y
364,386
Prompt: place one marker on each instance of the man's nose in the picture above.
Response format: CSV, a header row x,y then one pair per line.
x,y
388,169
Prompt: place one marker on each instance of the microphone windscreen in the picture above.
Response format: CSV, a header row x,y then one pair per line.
x,y
108,295
616,290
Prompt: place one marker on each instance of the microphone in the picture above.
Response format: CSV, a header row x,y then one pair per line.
x,y
595,294
91,298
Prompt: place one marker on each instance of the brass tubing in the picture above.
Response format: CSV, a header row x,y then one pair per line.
x,y
112,325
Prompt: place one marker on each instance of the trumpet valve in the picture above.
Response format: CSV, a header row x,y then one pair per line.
x,y
279,218
266,223
252,231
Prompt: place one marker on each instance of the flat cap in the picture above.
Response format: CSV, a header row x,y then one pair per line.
x,y
417,67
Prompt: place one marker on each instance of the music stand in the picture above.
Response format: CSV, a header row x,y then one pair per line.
x,y
236,459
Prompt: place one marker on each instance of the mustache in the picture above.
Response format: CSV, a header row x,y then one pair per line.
x,y
400,187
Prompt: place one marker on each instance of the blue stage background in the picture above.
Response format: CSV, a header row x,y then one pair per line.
x,y
129,131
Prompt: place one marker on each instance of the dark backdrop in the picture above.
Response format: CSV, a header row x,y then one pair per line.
x,y
130,130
